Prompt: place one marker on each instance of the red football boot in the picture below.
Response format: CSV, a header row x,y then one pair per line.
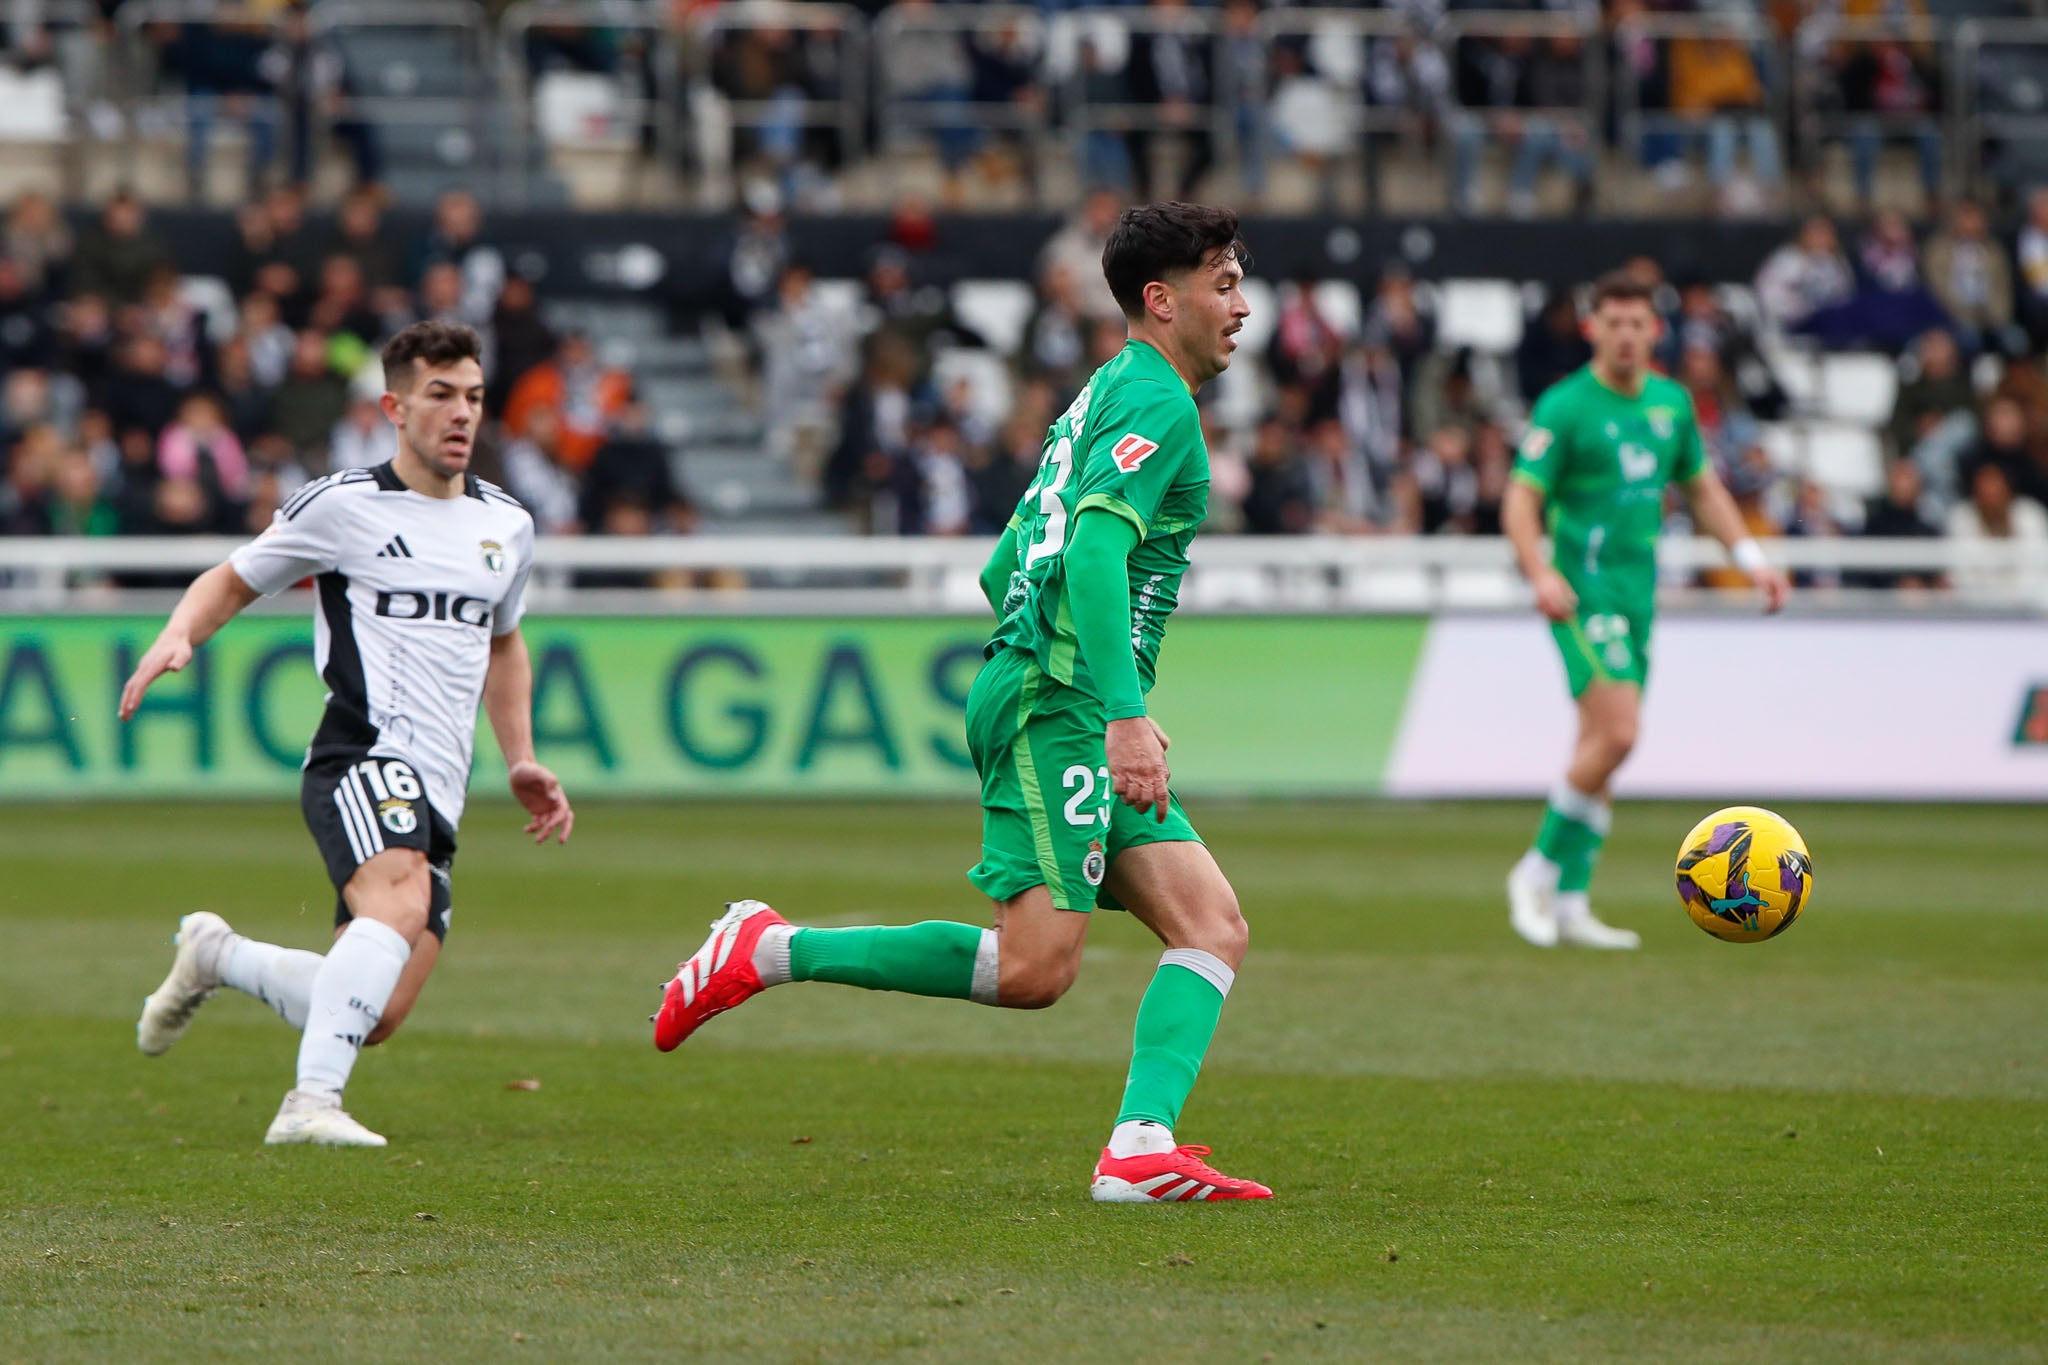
x,y
718,976
1178,1176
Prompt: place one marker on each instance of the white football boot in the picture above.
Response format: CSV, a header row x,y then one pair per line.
x,y
311,1116
1532,889
195,974
1577,927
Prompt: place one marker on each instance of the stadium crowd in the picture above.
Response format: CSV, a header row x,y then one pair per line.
x,y
133,403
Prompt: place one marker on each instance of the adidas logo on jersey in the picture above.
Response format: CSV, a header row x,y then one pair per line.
x,y
397,549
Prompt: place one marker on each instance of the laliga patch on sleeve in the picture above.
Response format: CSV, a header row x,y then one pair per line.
x,y
1535,443
1132,451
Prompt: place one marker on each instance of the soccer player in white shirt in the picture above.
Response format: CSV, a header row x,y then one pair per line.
x,y
420,572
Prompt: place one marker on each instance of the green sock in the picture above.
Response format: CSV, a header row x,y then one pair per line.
x,y
1176,1019
1577,874
957,961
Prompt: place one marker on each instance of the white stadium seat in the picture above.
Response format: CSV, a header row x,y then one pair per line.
x,y
1781,442
212,297
998,309
1483,314
1858,388
987,376
1844,458
1341,306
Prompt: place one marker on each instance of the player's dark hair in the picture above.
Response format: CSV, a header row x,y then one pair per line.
x,y
433,343
1619,286
1161,241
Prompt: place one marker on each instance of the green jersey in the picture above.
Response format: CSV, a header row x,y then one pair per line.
x,y
1602,461
1131,444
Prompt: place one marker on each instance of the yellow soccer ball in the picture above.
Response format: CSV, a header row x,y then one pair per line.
x,y
1744,874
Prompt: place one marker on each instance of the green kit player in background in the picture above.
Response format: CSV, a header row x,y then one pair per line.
x,y
1076,810
1603,445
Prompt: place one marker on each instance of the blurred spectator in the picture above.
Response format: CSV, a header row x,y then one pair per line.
x,y
1521,89
25,336
1078,246
1447,393
117,259
1055,343
1935,396
921,314
537,474
1804,276
1495,461
363,437
1900,512
457,239
2003,443
1890,306
1971,274
200,447
39,243
175,321
809,359
753,258
930,66
874,429
583,393
1010,466
1005,60
1553,346
140,396
2033,266
76,505
246,403
1307,347
1307,119
85,347
1394,320
944,504
278,252
1246,58
34,398
310,401
1995,513
1726,430
269,341
31,471
1812,517
1347,497
631,470
1446,482
1371,407
1896,90
359,235
1702,321
228,71
1282,499
341,304
521,339
1169,70
1716,80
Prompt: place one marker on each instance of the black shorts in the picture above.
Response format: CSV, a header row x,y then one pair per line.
x,y
358,806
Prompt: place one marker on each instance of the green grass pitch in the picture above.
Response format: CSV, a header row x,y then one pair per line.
x,y
1831,1147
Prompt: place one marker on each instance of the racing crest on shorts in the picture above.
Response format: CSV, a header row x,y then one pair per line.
x,y
1095,864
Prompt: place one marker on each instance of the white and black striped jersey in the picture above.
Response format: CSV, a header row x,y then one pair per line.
x,y
410,591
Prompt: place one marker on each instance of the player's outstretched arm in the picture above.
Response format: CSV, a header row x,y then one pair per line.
x,y
995,575
1715,510
210,603
1099,591
508,701
1521,520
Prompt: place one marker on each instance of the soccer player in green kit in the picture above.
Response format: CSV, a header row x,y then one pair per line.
x,y
1603,445
1082,581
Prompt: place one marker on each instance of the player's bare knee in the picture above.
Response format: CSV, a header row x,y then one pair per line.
x,y
1037,985
1224,933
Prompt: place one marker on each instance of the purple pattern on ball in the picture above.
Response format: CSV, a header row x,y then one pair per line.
x,y
1791,876
1688,891
1723,836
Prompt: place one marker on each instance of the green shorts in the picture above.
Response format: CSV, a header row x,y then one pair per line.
x,y
1602,644
1049,815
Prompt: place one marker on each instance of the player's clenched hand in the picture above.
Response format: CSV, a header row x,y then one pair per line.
x,y
168,655
1164,742
1554,596
540,791
1137,765
1775,587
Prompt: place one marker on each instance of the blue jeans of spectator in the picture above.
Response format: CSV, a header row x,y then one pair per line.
x,y
1726,133
1866,139
957,141
1105,161
1254,144
204,108
1547,143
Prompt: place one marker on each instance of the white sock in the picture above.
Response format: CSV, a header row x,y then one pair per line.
x,y
986,974
1585,807
350,990
281,978
1539,868
1572,905
771,954
1140,1137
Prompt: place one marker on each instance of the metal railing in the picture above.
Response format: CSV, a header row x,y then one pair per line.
x,y
844,111
1313,574
151,97
1580,25
2022,115
1817,117
656,108
1749,29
